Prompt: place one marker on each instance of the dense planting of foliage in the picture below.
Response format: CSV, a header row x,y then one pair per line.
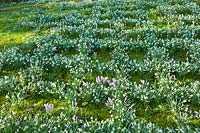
x,y
8,1
102,66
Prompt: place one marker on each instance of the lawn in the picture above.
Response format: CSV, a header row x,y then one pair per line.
x,y
100,66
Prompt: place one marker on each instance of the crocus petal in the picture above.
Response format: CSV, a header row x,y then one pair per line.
x,y
106,78
48,107
115,81
102,78
109,82
98,80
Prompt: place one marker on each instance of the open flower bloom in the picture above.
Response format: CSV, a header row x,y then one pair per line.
x,y
115,81
104,79
48,107
101,79
98,80
109,82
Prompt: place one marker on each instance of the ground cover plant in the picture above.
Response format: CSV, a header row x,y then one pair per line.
x,y
100,66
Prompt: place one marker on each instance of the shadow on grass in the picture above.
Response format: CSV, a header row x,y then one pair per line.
x,y
103,55
179,54
139,76
137,54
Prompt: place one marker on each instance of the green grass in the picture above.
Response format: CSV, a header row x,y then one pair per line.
x,y
34,106
179,54
136,54
157,114
91,110
12,34
139,76
103,55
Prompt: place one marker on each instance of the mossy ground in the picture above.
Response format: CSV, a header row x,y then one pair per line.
x,y
90,110
36,106
102,55
139,76
137,54
62,76
179,54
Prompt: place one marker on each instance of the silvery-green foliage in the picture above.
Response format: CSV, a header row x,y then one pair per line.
x,y
157,53
12,58
64,64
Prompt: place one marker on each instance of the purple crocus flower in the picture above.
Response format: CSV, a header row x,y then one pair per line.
x,y
104,79
48,107
115,81
98,80
109,82
101,79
